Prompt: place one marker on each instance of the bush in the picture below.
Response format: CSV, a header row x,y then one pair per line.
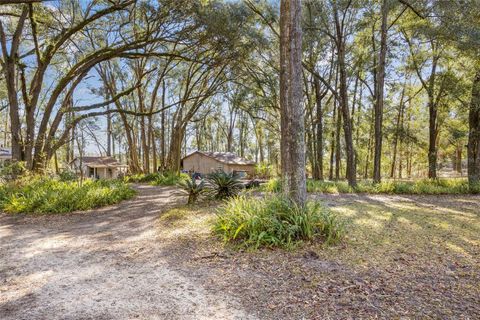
x,y
275,222
157,179
170,179
263,170
47,195
224,185
12,170
475,188
142,177
193,189
272,185
67,175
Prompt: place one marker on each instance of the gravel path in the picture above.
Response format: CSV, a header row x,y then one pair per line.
x,y
101,264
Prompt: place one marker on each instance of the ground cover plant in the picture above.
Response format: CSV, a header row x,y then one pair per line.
x,y
422,186
275,221
42,194
401,257
157,179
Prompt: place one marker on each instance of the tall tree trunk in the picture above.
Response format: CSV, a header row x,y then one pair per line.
x,y
458,158
369,149
332,145
346,120
319,149
380,71
432,139
153,143
175,151
109,133
397,132
293,126
143,134
338,151
474,133
10,52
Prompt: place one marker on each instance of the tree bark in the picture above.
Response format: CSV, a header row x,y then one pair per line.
x,y
397,132
292,124
319,148
347,123
380,71
474,133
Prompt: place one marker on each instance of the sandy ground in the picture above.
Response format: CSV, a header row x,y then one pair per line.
x,y
408,257
101,264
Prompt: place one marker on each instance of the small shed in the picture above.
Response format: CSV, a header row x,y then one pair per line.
x,y
99,167
207,162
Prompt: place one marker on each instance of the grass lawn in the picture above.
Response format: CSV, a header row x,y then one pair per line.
x,y
411,256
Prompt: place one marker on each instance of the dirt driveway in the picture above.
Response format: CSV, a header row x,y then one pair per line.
x,y
101,264
404,257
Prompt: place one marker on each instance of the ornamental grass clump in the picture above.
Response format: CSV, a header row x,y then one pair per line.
x,y
275,221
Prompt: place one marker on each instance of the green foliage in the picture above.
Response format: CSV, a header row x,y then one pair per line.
x,y
275,222
193,189
223,185
169,179
47,195
424,186
475,188
67,175
263,170
13,170
272,185
157,179
142,177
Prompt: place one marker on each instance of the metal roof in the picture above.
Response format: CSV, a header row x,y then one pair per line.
x,y
101,162
224,157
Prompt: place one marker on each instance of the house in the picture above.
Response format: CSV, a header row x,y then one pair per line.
x,y
99,167
207,162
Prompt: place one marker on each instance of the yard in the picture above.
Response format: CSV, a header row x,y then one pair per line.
x,y
153,258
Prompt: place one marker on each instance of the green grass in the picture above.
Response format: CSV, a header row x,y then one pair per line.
x,y
48,195
274,221
424,186
423,230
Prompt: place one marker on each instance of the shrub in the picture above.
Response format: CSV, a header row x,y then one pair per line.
x,y
47,195
142,177
224,185
263,170
474,188
328,186
272,185
193,189
13,170
67,175
275,221
170,179
157,178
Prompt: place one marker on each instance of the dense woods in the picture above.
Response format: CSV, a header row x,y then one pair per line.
x,y
379,88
